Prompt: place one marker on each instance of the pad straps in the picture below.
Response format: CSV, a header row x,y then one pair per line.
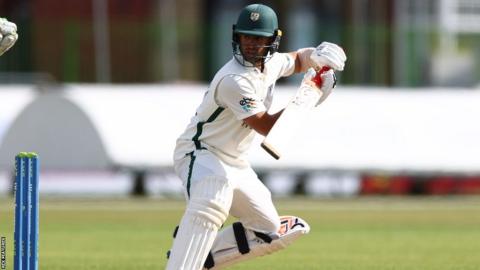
x,y
241,237
209,262
265,237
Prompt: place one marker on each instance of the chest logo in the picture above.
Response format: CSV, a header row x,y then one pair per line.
x,y
248,104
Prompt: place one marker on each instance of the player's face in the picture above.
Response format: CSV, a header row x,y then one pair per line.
x,y
254,46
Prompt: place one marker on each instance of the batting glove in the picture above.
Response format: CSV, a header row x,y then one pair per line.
x,y
8,35
329,54
328,83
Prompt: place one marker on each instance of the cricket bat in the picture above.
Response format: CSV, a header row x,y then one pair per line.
x,y
292,119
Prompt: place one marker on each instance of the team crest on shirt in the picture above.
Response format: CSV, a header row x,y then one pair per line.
x,y
254,16
248,104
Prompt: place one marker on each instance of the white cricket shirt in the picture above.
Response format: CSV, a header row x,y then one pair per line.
x,y
235,93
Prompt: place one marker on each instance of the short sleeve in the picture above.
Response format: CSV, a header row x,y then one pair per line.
x,y
238,94
286,63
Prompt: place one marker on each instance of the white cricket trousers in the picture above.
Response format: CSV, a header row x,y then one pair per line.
x,y
252,201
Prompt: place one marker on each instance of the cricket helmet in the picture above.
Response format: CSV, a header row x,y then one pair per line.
x,y
257,20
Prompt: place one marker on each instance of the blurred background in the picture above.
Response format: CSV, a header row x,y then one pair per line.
x,y
100,90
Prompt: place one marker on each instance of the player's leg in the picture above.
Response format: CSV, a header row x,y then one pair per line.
x,y
210,198
260,230
253,204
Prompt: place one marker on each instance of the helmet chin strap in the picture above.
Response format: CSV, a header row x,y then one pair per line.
x,y
241,60
238,55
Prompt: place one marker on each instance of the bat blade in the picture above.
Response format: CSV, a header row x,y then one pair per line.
x,y
293,118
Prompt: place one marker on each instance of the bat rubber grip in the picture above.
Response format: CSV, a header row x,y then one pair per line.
x,y
318,78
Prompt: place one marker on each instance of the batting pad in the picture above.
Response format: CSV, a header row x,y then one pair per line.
x,y
207,210
230,248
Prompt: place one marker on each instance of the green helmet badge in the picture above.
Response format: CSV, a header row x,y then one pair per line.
x,y
254,16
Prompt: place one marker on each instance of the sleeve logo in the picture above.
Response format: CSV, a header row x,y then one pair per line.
x,y
248,104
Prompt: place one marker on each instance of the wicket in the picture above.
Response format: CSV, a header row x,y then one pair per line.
x,y
26,212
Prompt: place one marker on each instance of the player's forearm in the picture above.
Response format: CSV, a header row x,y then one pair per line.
x,y
302,59
262,122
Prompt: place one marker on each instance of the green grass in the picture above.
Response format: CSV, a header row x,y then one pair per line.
x,y
364,233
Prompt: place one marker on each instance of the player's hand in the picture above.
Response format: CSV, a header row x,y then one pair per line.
x,y
329,54
8,35
328,82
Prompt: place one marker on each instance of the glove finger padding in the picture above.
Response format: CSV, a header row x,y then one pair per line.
x,y
329,82
309,75
329,54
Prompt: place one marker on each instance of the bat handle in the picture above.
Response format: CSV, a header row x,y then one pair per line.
x,y
318,79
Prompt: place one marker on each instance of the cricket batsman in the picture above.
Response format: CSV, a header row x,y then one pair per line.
x,y
8,35
210,156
